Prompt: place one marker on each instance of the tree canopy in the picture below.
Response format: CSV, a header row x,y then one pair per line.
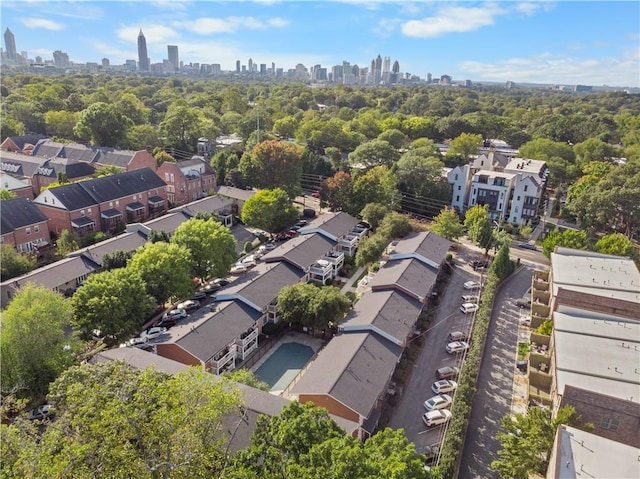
x,y
447,224
270,210
312,306
273,164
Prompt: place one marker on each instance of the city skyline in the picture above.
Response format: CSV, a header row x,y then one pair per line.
x,y
526,42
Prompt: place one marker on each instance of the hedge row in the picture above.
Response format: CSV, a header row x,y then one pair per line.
x,y
454,439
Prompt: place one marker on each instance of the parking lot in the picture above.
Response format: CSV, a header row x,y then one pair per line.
x,y
408,413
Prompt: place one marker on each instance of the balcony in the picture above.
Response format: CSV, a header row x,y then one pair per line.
x,y
247,342
542,297
336,259
224,360
348,244
321,271
541,275
359,232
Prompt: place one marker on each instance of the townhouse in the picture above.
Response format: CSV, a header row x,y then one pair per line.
x,y
513,188
237,196
187,180
24,226
590,359
21,144
21,187
104,204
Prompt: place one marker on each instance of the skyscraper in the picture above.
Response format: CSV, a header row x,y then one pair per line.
x,y
143,59
174,60
395,72
378,73
237,66
10,46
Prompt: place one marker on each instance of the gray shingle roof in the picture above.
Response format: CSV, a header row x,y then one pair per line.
x,y
409,275
210,336
18,164
24,140
168,223
261,285
353,368
73,196
301,251
335,224
210,204
123,242
18,213
235,193
427,244
56,274
389,313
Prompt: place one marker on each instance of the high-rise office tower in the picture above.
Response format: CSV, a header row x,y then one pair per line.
x,y
395,70
386,71
273,68
378,73
10,46
172,55
237,66
60,59
143,58
372,73
250,65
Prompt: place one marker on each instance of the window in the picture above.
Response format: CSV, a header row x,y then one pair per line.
x,y
28,231
110,204
166,176
457,198
456,177
515,210
526,187
82,213
45,200
117,203
89,211
609,423
36,229
459,187
518,198
172,178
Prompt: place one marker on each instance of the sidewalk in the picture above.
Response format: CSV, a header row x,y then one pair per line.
x,y
349,285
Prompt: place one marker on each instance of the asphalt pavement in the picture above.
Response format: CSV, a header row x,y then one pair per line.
x,y
494,396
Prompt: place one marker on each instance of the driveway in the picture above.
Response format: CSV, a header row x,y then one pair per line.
x,y
242,235
494,395
407,413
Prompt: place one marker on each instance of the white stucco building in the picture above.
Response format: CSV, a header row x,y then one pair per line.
x,y
512,187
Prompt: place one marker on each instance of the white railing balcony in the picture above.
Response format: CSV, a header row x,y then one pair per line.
x,y
349,241
247,344
321,268
359,232
225,361
244,341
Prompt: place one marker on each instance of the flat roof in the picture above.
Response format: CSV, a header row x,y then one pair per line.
x,y
595,273
597,355
584,454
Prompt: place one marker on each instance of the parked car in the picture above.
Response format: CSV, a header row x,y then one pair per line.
x,y
238,268
309,213
315,194
153,333
267,247
220,281
436,418
458,336
189,305
471,285
457,347
302,223
523,302
444,386
210,288
199,296
469,308
530,246
135,343
441,401
525,320
470,298
41,412
166,322
447,372
249,261
176,314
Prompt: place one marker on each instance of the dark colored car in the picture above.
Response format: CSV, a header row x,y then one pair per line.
x,y
199,296
530,246
220,282
447,372
166,322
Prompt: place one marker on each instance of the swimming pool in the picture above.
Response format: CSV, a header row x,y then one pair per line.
x,y
280,369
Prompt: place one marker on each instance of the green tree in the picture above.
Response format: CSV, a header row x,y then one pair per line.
x,y
166,270
419,127
373,153
421,175
143,137
559,156
108,170
479,226
115,302
162,156
285,127
394,137
6,194
61,123
158,235
336,191
378,185
270,210
395,225
374,213
35,343
247,377
312,306
13,264
114,421
370,249
131,107
274,164
465,145
116,259
103,125
527,441
181,126
211,245
224,161
568,239
616,244
66,243
447,224
502,266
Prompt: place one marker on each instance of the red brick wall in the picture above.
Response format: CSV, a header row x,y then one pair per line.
x,y
58,219
142,159
175,352
20,235
331,405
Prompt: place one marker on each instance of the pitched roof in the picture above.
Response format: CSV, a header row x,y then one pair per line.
x,y
353,368
24,140
212,331
19,165
301,251
56,274
91,154
335,225
390,314
18,213
235,193
209,204
261,285
123,242
409,275
426,244
72,196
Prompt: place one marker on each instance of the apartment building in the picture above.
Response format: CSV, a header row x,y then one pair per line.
x,y
24,226
513,188
187,180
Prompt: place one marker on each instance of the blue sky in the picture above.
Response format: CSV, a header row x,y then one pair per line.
x,y
570,42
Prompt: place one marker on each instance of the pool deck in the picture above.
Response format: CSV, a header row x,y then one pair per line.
x,y
292,337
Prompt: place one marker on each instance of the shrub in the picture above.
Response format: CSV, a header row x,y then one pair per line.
x,y
248,246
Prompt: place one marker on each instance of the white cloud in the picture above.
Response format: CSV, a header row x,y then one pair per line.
x,y
528,8
386,26
42,23
552,68
180,5
453,20
209,25
152,33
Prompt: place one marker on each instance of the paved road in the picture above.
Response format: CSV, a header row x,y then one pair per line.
x,y
492,400
407,414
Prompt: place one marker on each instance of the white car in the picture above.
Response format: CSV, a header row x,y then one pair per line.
x,y
135,343
457,347
435,418
469,308
441,401
153,333
189,305
175,314
238,268
266,247
469,298
471,285
444,386
525,320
